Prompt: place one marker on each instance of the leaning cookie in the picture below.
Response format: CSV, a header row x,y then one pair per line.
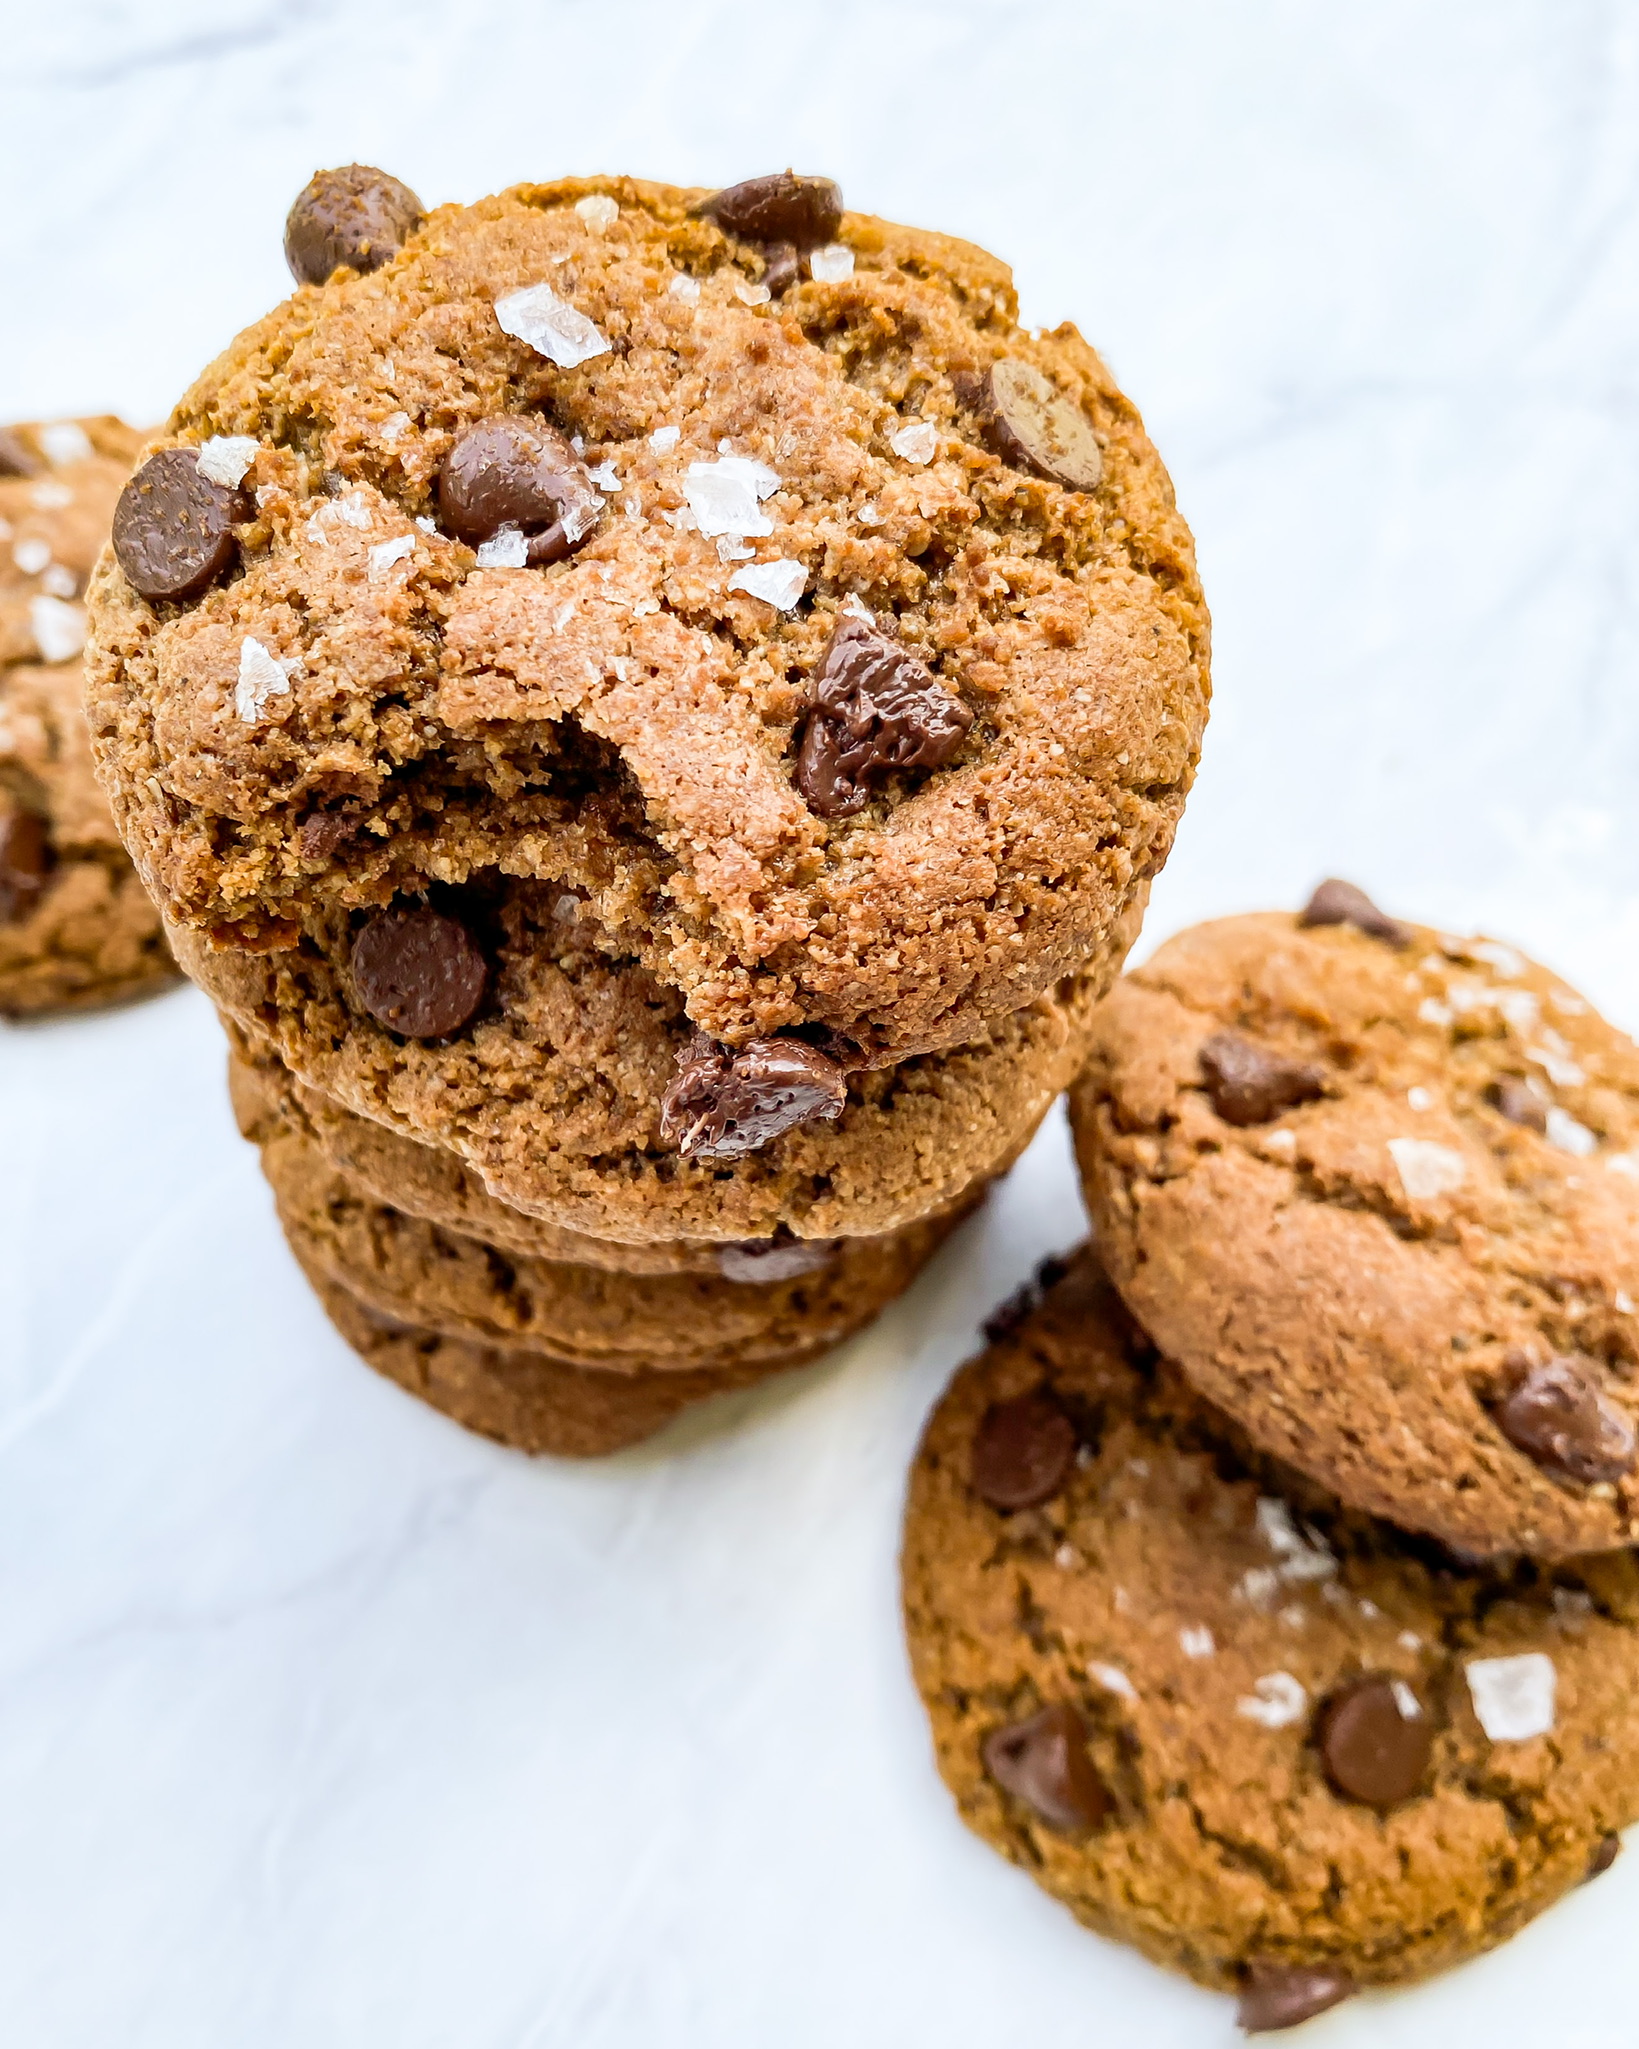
x,y
1272,1744
77,929
1376,1190
737,562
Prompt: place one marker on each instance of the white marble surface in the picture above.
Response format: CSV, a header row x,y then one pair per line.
x,y
324,1725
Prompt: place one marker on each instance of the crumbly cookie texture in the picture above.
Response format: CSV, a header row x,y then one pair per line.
x,y
419,1273
76,927
1274,1745
553,1096
1378,1195
742,460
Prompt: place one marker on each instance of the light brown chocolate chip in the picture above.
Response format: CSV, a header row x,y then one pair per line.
x,y
418,972
723,1104
1518,1102
756,1262
1276,1996
874,707
1034,426
1606,1852
779,208
174,529
25,863
1250,1085
1044,1763
355,215
513,473
1558,1416
1023,1451
1375,1741
1340,903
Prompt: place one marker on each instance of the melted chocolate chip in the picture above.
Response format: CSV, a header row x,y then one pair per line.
x,y
723,1104
418,972
25,863
1606,1852
356,215
1035,427
755,1262
1557,1416
17,459
779,208
1276,1996
173,528
1374,1749
1044,1763
1023,1451
1250,1085
1518,1102
874,707
782,267
511,472
1340,903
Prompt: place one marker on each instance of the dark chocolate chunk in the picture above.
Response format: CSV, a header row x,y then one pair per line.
x,y
1518,1102
873,707
355,215
515,473
173,528
1340,903
25,863
1250,1085
1558,1416
779,208
17,459
755,1262
723,1104
1023,1451
418,972
1044,1763
1033,426
1276,1996
1606,1852
323,832
1375,1739
782,267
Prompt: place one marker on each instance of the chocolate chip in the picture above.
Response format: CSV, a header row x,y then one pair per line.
x,y
355,215
1249,1085
1022,1452
779,208
17,459
1340,903
755,1262
418,972
323,832
1606,1852
1375,1740
173,528
1044,1763
1034,426
782,267
1556,1415
518,474
1518,1102
1276,1996
25,862
723,1104
1024,1301
873,707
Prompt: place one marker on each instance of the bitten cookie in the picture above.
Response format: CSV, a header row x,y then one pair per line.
x,y
1376,1190
735,561
1274,1745
76,927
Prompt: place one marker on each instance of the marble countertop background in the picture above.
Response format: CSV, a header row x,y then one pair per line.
x,y
323,1725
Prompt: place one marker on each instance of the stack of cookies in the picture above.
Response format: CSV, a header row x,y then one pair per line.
x,y
1277,1605
654,715
76,927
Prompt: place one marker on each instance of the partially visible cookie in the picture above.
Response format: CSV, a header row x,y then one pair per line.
x,y
1376,1190
1273,1744
76,927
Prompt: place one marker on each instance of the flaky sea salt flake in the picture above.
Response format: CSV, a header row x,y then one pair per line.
x,y
1514,1698
1277,1701
31,555
261,677
59,580
918,442
752,295
393,426
1569,1136
831,263
50,496
225,458
1427,1171
385,553
725,496
1300,1559
1432,1011
550,325
606,477
59,629
1112,1679
779,584
731,550
65,441
664,439
1195,1640
598,211
506,550
685,288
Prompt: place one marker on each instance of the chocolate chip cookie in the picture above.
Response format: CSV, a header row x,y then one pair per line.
x,y
76,927
834,637
1273,1744
1376,1189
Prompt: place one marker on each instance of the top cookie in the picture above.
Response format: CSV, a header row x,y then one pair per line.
x,y
1377,1192
836,635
